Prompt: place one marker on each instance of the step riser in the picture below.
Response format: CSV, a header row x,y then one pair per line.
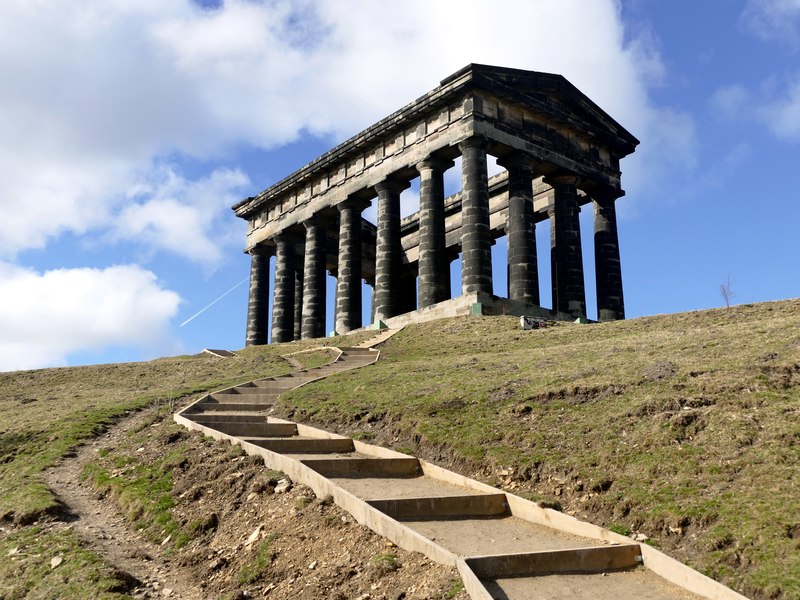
x,y
365,467
234,406
229,418
294,446
582,560
252,429
489,505
262,398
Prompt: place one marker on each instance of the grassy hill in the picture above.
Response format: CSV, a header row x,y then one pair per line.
x,y
682,428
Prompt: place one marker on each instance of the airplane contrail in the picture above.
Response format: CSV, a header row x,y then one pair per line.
x,y
210,304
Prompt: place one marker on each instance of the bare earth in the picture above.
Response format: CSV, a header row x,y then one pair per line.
x,y
315,549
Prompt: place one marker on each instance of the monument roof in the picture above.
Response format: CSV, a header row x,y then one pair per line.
x,y
547,94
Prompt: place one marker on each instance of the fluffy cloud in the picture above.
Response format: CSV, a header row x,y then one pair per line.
x,y
773,21
107,88
781,114
730,101
185,217
775,106
48,316
101,98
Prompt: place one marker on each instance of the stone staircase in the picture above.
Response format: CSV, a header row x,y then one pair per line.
x,y
504,546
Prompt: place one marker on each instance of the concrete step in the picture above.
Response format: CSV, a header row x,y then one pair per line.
x,y
250,429
229,417
245,414
630,584
595,559
509,549
365,467
443,507
264,397
242,390
304,445
206,407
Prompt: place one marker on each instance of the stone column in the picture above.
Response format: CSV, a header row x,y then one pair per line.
x,y
348,285
283,298
314,281
476,242
434,270
608,269
298,295
566,257
523,270
388,251
258,302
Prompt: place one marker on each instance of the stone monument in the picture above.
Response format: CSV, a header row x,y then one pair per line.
x,y
560,152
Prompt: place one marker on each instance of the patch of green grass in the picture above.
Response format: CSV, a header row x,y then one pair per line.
x,y
26,571
384,562
145,495
255,568
620,529
315,358
302,502
455,589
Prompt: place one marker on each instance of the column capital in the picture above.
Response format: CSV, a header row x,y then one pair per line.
x,y
288,236
358,204
517,160
391,184
605,195
261,250
562,179
477,140
315,220
434,163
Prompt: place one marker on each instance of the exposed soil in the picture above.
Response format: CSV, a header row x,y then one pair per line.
x,y
248,540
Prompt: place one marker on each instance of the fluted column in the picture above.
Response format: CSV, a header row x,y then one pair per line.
x,y
388,251
283,297
566,256
314,281
434,270
608,268
476,242
523,270
348,284
258,302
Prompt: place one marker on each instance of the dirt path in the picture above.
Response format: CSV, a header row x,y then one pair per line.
x,y
104,530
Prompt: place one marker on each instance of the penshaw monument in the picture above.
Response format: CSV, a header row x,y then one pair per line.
x,y
560,152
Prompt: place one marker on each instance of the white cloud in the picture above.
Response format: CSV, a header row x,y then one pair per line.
x,y
781,114
775,106
184,217
96,93
773,21
730,101
47,316
100,97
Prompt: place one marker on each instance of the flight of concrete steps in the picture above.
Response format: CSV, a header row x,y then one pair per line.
x,y
504,546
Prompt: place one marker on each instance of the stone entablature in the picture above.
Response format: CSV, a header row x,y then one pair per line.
x,y
435,123
560,152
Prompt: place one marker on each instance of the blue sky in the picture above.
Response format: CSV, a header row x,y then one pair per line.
x,y
127,129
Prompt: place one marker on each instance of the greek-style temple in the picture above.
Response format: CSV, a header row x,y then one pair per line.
x,y
560,152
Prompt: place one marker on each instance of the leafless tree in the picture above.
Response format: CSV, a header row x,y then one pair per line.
x,y
726,291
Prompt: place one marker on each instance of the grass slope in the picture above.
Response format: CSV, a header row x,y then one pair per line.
x,y
683,427
45,414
